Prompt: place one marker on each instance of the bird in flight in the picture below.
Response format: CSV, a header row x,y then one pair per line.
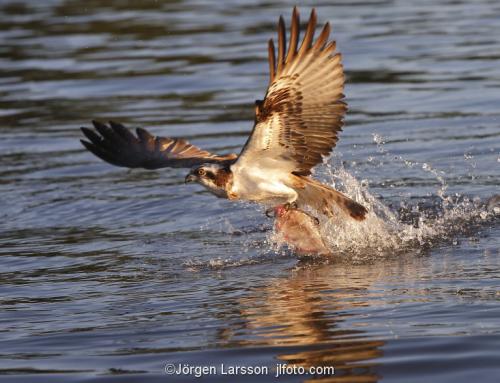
x,y
296,125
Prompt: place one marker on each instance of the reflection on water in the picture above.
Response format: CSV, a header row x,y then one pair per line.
x,y
107,274
306,310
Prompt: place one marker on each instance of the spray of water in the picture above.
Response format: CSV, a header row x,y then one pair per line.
x,y
387,232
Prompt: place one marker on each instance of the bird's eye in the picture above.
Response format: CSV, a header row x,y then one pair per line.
x,y
201,172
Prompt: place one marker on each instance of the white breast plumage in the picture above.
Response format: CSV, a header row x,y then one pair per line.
x,y
261,184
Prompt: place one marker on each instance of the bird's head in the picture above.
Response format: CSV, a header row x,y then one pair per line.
x,y
215,177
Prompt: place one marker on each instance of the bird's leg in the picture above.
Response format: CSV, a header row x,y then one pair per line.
x,y
293,206
279,210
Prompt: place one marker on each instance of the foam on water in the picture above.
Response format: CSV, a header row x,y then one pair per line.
x,y
386,232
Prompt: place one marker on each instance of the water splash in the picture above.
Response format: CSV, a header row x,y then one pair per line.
x,y
413,227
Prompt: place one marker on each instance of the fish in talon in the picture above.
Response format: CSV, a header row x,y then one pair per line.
x,y
299,230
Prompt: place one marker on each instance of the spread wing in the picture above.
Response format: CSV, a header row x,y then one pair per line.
x,y
298,121
119,146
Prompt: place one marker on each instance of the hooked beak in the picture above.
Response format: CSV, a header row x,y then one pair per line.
x,y
190,178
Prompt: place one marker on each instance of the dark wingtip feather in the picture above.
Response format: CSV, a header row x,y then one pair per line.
x,y
272,60
91,135
97,124
281,44
309,35
105,131
294,35
313,19
123,132
92,148
84,130
100,153
141,132
313,14
323,37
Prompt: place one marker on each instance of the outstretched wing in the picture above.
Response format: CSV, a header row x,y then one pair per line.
x,y
119,146
298,121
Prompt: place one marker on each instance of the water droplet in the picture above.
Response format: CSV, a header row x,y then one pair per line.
x,y
378,139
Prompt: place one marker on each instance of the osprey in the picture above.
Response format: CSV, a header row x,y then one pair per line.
x,y
295,126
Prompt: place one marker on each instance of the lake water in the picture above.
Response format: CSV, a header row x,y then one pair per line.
x,y
108,275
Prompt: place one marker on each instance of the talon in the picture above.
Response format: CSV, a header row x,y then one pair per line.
x,y
268,213
290,205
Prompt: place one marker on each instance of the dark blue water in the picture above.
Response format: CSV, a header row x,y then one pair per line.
x,y
109,274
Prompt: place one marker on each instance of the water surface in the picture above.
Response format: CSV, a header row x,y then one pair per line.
x,y
109,274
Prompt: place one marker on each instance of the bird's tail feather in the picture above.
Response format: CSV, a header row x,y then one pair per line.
x,y
323,198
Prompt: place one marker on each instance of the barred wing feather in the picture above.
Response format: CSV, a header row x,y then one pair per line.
x,y
302,113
